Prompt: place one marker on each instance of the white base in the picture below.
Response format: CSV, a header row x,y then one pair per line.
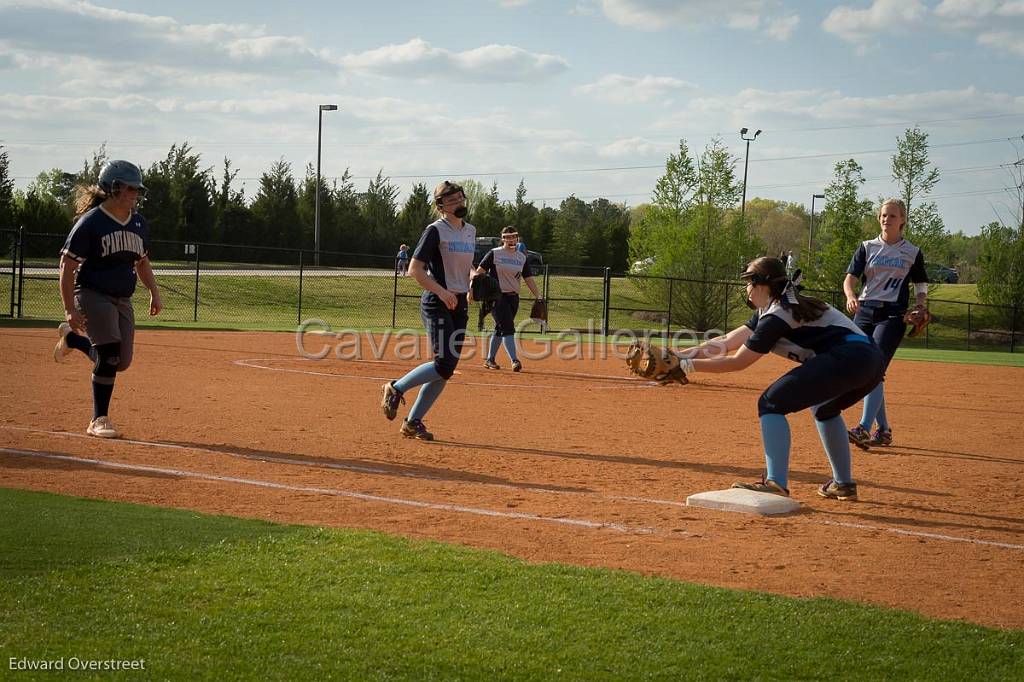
x,y
746,501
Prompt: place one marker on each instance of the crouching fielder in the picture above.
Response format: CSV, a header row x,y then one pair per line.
x,y
839,365
104,255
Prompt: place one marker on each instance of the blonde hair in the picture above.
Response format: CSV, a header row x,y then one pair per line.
x,y
893,201
88,198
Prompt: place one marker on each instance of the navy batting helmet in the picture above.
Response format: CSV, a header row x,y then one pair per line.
x,y
120,172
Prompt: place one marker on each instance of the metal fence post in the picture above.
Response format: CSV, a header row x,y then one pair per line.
x,y
607,301
21,271
394,300
968,326
15,239
195,297
668,325
299,321
1013,326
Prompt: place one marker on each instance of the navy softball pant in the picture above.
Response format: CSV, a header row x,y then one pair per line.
x,y
505,309
446,330
883,323
828,383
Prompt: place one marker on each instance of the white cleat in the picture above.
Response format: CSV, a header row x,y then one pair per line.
x,y
102,428
62,349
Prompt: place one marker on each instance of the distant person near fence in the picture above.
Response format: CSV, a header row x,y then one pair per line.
x,y
402,259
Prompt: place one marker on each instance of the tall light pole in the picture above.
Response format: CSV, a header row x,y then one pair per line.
x,y
743,136
316,192
810,232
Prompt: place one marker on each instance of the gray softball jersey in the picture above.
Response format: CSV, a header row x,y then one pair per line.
x,y
885,270
448,253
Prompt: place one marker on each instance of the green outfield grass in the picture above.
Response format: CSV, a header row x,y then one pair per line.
x,y
271,302
209,597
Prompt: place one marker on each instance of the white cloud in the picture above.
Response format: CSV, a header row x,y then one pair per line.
x,y
629,148
132,40
618,88
997,24
809,109
418,59
883,17
766,16
512,4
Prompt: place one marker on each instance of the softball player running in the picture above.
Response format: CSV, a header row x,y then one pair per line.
x,y
509,265
441,264
886,265
839,365
104,255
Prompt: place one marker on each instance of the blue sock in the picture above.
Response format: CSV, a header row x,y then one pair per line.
x,y
872,402
510,345
78,342
423,374
837,448
425,400
492,351
881,417
775,434
101,399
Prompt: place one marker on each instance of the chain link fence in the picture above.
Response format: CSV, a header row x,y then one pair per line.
x,y
247,287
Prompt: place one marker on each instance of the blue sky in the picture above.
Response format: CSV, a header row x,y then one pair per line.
x,y
583,97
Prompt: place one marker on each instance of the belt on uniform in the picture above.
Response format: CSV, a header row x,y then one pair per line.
x,y
856,338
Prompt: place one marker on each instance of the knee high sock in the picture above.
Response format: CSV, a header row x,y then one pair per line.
x,y
425,400
510,346
872,402
101,399
837,448
492,351
78,342
882,419
423,374
775,434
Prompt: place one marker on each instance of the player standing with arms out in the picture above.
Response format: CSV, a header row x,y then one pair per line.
x,y
104,255
839,365
510,266
441,264
886,265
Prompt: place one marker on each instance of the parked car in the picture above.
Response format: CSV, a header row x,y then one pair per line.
x,y
485,244
941,274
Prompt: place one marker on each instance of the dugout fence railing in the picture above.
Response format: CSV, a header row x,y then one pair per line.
x,y
252,287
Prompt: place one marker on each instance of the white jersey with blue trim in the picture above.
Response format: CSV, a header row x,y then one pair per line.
x,y
448,253
887,269
508,265
777,331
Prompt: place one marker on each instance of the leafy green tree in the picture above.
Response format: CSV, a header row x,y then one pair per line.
x,y
379,212
39,212
523,215
179,204
568,243
351,229
780,226
692,232
276,207
916,177
6,192
488,214
607,236
543,231
842,227
416,214
1002,269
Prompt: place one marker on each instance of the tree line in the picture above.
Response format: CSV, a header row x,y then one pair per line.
x,y
187,201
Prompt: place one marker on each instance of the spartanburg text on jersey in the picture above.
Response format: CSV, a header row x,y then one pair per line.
x,y
448,254
776,331
885,270
107,250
